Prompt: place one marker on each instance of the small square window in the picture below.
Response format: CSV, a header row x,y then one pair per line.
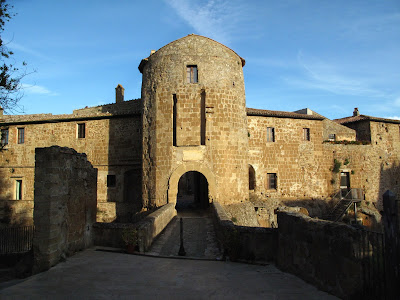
x,y
191,74
332,137
272,182
270,134
306,134
4,137
21,135
111,181
18,189
81,131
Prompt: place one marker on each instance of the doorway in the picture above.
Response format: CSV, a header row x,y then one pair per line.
x,y
192,192
344,183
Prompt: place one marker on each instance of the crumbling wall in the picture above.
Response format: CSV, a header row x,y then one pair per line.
x,y
65,205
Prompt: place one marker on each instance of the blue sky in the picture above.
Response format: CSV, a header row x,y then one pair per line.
x,y
329,56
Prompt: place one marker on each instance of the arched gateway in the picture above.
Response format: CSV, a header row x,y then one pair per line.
x,y
204,182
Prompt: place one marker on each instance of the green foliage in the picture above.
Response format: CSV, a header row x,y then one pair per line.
x,y
352,172
233,219
336,166
346,162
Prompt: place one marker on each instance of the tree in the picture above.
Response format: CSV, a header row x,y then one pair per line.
x,y
10,75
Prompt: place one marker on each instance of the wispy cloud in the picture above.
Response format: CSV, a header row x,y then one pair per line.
x,y
14,46
215,19
318,74
375,25
37,89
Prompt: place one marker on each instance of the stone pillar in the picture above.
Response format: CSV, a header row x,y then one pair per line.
x,y
119,94
65,205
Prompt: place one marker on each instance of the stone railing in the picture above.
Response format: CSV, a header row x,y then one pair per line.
x,y
242,242
110,234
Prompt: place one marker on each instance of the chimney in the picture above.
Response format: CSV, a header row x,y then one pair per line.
x,y
119,94
356,112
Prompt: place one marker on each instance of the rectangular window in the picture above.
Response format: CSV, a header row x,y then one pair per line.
x,y
111,181
270,134
18,189
21,135
191,74
306,134
4,137
81,131
272,182
332,137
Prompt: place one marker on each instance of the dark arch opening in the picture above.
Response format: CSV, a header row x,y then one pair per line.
x,y
192,192
252,178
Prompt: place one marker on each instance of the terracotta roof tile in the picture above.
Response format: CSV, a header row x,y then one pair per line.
x,y
280,114
360,118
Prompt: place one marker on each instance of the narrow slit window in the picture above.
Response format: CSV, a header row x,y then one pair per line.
x,y
174,116
81,131
203,118
191,74
21,135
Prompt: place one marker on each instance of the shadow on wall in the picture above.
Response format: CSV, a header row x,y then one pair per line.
x,y
123,176
389,180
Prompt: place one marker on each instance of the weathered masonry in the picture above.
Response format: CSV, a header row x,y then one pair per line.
x,y
191,124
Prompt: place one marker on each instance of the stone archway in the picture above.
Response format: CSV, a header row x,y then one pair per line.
x,y
192,192
181,170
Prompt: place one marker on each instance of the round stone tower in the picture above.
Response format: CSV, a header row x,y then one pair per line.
x,y
194,119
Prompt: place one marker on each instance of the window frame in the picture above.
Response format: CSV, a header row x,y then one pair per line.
x,y
4,139
332,137
192,74
81,134
18,189
20,135
272,181
271,134
306,134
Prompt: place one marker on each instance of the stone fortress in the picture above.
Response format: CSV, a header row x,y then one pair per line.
x,y
191,127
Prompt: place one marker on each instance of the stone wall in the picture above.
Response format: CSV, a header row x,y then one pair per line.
x,y
342,133
221,85
321,252
16,213
298,164
65,205
242,242
112,143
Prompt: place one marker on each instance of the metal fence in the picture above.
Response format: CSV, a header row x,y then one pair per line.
x,y
16,239
372,257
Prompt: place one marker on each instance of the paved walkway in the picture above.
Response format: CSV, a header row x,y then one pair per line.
x,y
199,239
103,275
